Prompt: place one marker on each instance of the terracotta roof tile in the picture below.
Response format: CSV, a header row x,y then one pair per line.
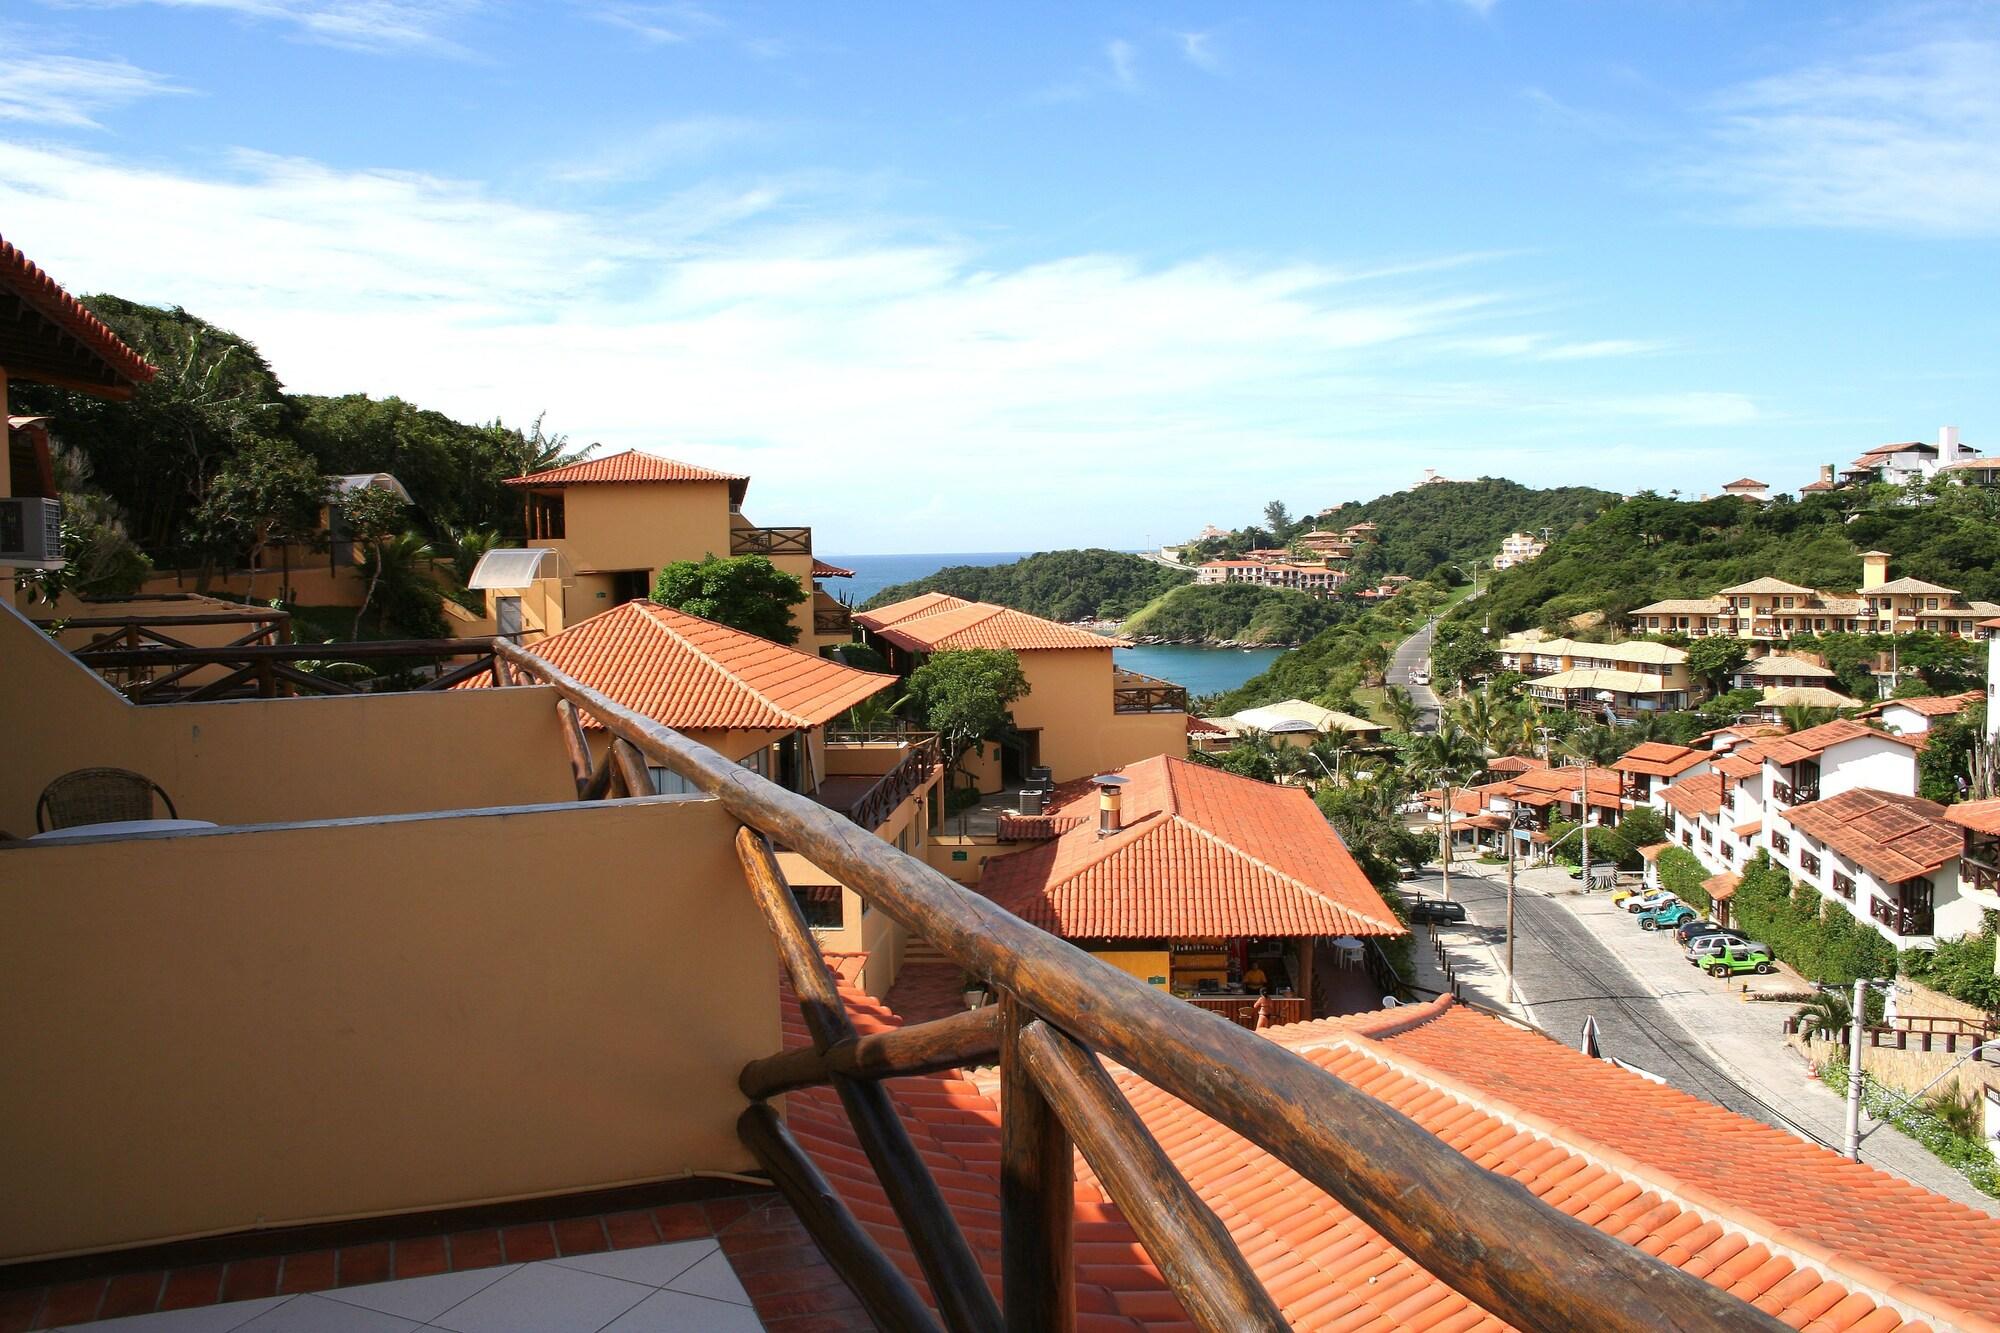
x,y
42,294
1979,816
1936,705
1695,796
1660,759
694,674
1892,837
630,466
934,622
822,570
1721,886
1515,763
1542,786
1202,853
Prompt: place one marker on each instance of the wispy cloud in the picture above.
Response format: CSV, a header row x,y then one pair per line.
x,y
657,24
792,331
1123,58
671,143
1198,49
363,25
1903,140
71,91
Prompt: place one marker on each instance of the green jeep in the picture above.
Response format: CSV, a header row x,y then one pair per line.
x,y
1728,962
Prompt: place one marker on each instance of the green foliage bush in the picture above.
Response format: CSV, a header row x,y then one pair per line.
x,y
1942,1134
1240,612
1062,585
1961,968
746,592
1822,940
1681,874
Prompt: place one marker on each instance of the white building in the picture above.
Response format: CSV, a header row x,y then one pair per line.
x,y
1898,464
1518,549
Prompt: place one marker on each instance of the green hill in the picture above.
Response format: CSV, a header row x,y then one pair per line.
x,y
1061,585
1464,521
1238,612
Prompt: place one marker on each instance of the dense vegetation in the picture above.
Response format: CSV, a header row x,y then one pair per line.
x,y
1351,654
1652,547
1961,968
1422,532
194,470
1822,940
746,592
1061,585
1235,612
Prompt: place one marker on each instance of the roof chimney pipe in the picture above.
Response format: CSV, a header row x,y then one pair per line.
x,y
1110,803
1826,473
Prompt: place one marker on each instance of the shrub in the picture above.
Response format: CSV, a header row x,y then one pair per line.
x,y
1822,940
1681,875
1961,968
1937,1125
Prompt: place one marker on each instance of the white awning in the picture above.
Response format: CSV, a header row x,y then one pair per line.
x,y
511,567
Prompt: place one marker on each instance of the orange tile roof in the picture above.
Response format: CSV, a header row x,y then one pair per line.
x,y
1698,795
1201,726
1563,784
1816,741
630,466
1651,851
1660,760
1934,705
1515,763
822,570
1748,829
1464,800
1737,766
1202,854
1979,816
934,622
1820,1243
694,674
41,293
1892,837
1721,887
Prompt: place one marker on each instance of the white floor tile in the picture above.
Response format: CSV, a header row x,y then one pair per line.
x,y
544,1298
420,1298
714,1278
316,1314
676,1312
654,1265
200,1319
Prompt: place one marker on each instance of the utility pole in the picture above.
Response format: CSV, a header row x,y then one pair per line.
x,y
1513,811
1444,860
1854,1068
1586,822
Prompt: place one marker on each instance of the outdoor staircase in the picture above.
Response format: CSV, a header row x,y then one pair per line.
x,y
918,950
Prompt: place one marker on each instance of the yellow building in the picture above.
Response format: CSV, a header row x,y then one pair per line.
x,y
1081,715
1774,609
599,532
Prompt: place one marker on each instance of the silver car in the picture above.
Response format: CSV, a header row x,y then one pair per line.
x,y
1701,946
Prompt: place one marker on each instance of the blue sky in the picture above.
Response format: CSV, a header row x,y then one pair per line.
x,y
958,278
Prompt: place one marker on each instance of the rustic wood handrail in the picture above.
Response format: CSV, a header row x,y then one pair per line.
x,y
1483,1235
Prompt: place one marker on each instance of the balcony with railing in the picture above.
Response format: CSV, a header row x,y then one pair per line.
x,y
870,774
831,615
1133,692
770,541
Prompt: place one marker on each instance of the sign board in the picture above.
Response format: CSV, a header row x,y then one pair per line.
x,y
1156,981
958,856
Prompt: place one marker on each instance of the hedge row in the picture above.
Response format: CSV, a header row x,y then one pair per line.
x,y
1961,968
1821,939
1681,875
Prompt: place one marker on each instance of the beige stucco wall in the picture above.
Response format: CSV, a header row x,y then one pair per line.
x,y
941,849
311,584
259,1028
642,526
263,760
1069,699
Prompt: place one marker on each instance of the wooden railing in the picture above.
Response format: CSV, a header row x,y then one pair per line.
x,y
1981,875
1242,1009
771,541
1148,699
273,670
1060,1011
911,772
832,619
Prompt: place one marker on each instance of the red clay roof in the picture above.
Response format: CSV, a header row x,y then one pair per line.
x,y
822,570
1737,766
1202,854
1720,887
694,674
1934,705
1816,741
1660,759
1515,763
630,466
1698,795
1821,1242
1201,726
28,284
937,621
1892,837
1651,851
1748,829
1979,816
1564,784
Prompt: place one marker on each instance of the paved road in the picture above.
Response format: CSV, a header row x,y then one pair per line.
x,y
1571,961
1412,653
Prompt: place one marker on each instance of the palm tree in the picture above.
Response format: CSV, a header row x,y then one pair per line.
x,y
1479,717
541,451
1800,717
1448,753
399,557
1402,710
468,545
1827,1015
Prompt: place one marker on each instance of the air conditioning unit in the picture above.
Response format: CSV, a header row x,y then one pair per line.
x,y
31,532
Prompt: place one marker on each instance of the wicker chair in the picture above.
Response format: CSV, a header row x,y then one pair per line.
x,y
98,796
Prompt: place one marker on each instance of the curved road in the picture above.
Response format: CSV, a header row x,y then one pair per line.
x,y
1410,654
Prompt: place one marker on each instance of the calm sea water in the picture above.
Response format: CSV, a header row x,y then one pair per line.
x,y
1200,670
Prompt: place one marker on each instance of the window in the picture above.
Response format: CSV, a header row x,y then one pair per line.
x,y
666,782
1729,851
1843,886
821,905
545,515
1808,862
1780,843
1687,840
1707,837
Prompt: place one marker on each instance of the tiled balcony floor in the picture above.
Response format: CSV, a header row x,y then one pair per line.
x,y
681,1287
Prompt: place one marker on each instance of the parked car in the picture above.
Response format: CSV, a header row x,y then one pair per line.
x,y
1702,946
1436,909
1625,892
1730,961
1689,930
1407,872
1649,902
1666,918
1420,677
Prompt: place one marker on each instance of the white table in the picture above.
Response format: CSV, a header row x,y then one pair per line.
x,y
122,828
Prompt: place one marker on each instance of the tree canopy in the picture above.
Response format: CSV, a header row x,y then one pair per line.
x,y
963,695
746,592
1061,585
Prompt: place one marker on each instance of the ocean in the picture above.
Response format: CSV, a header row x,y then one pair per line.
x,y
1198,670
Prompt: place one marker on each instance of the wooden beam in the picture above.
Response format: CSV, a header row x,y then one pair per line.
x,y
1037,1193
632,767
1194,1251
601,775
573,742
876,1282
956,1282
970,1038
1484,1236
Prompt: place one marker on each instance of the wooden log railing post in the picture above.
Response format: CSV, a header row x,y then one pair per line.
x,y
1182,1234
1037,1193
632,768
920,1048
573,742
876,1282
1484,1236
956,1282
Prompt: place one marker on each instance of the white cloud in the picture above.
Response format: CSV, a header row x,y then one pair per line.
x,y
1904,140
1124,61
1198,49
366,25
671,143
889,384
70,91
657,24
